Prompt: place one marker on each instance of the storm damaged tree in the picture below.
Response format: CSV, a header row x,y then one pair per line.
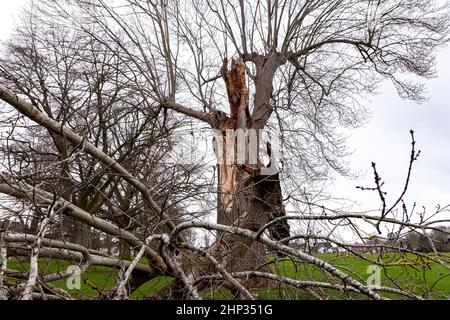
x,y
300,68
294,69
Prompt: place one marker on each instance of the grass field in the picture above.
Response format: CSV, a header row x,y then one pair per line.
x,y
428,280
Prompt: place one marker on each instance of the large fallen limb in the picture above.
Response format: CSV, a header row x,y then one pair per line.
x,y
361,216
121,292
15,250
141,273
226,275
300,284
23,191
3,267
34,258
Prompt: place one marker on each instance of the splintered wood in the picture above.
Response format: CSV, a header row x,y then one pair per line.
x,y
228,169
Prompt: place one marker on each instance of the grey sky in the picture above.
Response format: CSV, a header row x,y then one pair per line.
x,y
384,139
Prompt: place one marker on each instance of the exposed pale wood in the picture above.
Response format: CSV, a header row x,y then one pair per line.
x,y
228,172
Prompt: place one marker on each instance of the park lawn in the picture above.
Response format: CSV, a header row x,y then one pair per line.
x,y
431,281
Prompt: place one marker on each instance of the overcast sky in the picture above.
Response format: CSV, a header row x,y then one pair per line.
x,y
384,139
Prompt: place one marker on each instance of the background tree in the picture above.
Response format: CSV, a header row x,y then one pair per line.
x,y
76,80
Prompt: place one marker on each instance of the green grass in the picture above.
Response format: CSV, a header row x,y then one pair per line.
x,y
427,279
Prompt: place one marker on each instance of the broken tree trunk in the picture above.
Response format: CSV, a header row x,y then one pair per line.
x,y
239,173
